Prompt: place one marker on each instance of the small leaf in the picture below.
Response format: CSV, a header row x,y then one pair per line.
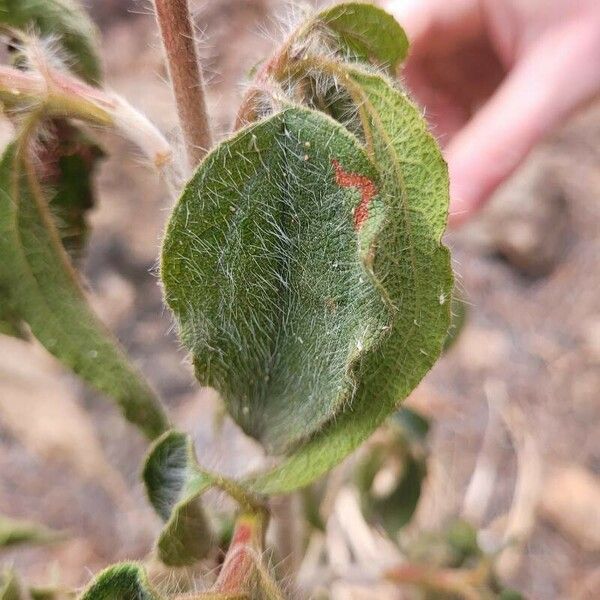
x,y
263,266
400,453
174,484
14,532
50,593
125,581
367,33
64,20
10,588
45,292
414,426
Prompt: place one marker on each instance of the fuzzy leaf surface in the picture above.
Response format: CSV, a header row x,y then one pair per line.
x,y
408,262
45,292
64,19
174,485
366,32
125,581
267,274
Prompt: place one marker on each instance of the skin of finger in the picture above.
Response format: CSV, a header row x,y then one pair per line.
x,y
556,76
434,24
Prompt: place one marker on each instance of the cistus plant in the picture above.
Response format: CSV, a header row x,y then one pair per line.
x,y
303,264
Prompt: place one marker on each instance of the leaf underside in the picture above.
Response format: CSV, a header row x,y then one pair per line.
x,y
262,267
413,268
45,293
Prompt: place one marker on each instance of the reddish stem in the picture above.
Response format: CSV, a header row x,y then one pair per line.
x,y
177,34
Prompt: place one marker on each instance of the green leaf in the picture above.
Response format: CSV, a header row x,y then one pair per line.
x,y
45,292
61,19
50,593
267,275
400,452
67,164
125,581
10,588
367,33
15,531
175,484
414,426
410,265
394,508
10,324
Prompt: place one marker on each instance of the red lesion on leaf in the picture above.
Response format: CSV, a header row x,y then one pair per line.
x,y
367,189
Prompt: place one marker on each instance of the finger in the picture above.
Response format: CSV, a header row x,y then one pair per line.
x,y
430,24
555,77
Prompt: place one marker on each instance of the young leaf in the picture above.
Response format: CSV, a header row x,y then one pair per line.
x,y
45,292
366,32
175,484
400,451
14,532
62,19
125,581
265,271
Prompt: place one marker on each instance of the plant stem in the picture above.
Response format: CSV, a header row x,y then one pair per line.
x,y
176,30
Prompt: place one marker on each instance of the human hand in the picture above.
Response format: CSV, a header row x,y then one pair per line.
x,y
495,76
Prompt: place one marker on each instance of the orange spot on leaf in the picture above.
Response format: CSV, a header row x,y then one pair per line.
x,y
367,189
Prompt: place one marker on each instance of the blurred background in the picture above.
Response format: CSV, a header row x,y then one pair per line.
x,y
515,400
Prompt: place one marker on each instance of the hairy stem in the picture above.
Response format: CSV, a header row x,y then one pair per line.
x,y
176,30
56,93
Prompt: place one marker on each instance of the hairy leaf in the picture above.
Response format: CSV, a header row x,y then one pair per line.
x,y
264,265
125,581
64,20
174,484
367,33
409,263
14,532
45,292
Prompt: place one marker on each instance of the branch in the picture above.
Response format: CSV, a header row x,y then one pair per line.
x,y
175,25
